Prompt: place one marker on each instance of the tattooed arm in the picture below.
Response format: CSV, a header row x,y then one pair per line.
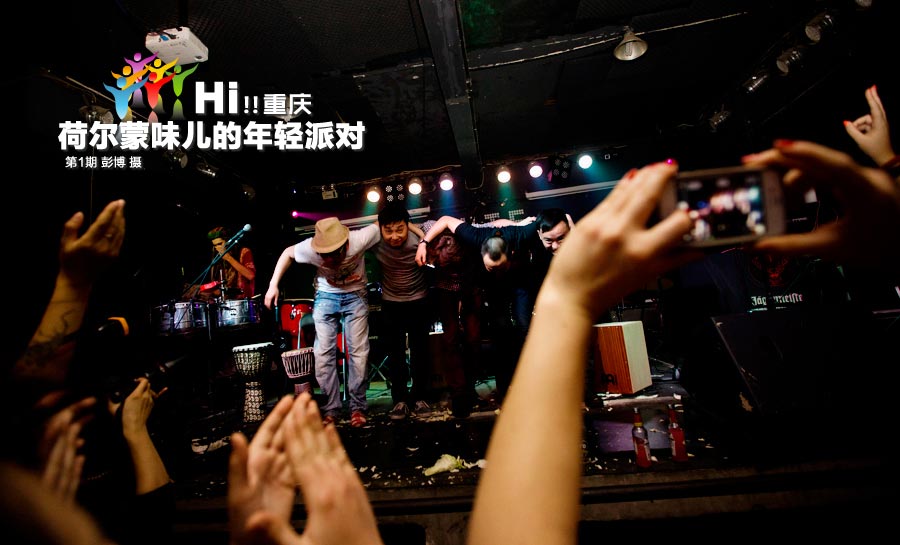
x,y
81,260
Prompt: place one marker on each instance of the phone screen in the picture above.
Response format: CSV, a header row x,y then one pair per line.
x,y
729,204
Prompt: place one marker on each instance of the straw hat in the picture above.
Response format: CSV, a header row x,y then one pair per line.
x,y
330,235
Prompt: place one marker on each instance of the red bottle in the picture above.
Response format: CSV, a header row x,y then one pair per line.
x,y
641,441
676,437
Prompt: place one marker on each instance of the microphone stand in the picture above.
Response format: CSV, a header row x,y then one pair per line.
x,y
218,257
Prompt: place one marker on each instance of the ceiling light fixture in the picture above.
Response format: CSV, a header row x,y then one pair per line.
x,y
446,181
819,26
716,120
791,59
177,157
415,185
204,168
535,169
374,194
93,113
631,46
756,81
503,174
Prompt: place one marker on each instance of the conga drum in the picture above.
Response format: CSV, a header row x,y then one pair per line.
x,y
299,365
251,362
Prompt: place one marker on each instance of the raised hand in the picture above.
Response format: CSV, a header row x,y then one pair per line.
x,y
58,448
261,487
871,132
82,258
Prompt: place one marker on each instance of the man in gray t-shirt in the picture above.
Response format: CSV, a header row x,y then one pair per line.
x,y
404,313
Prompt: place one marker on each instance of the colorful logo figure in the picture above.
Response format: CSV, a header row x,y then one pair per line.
x,y
147,76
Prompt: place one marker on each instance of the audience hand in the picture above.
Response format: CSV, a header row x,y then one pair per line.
x,y
261,487
869,228
136,408
336,502
82,258
611,251
871,131
58,449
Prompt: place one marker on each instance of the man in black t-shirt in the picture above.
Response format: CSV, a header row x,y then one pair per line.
x,y
504,281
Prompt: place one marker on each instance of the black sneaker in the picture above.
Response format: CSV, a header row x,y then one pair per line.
x,y
422,410
399,412
461,406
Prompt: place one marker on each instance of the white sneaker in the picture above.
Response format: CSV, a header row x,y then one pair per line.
x,y
399,412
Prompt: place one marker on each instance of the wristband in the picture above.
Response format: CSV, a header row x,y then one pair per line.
x,y
892,166
423,241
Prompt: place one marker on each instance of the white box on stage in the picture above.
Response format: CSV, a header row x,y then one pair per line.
x,y
177,43
621,363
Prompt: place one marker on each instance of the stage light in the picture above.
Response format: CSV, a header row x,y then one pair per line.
x,y
503,174
791,59
295,214
415,185
446,181
535,169
374,195
585,161
821,25
756,81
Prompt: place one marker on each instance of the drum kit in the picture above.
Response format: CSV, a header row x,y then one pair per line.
x,y
198,315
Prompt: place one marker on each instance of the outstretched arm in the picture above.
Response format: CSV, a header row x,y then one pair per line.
x,y
444,222
81,260
284,262
149,470
869,229
608,255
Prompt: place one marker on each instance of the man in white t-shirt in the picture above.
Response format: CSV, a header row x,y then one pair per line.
x,y
338,253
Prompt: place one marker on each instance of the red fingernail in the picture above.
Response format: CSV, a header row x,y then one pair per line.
x,y
748,158
874,89
846,122
629,174
783,143
671,161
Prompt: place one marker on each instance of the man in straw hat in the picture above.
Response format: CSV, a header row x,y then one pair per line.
x,y
340,301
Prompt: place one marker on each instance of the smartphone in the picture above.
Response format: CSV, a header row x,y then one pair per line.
x,y
729,206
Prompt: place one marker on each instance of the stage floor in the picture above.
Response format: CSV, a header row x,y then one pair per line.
x,y
738,472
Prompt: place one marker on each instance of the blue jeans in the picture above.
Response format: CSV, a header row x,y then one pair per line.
x,y
329,311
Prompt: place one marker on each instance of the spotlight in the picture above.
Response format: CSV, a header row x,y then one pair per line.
x,y
718,118
374,195
792,58
205,169
415,185
631,47
177,157
295,214
91,113
446,181
820,25
756,81
585,161
535,169
503,174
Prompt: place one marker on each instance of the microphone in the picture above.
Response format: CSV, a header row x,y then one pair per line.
x,y
238,235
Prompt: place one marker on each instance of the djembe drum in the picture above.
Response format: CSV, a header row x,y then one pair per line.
x,y
299,365
251,362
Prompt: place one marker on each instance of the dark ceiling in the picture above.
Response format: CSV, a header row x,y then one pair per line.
x,y
462,85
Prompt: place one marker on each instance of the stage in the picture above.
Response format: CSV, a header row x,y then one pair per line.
x,y
745,475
